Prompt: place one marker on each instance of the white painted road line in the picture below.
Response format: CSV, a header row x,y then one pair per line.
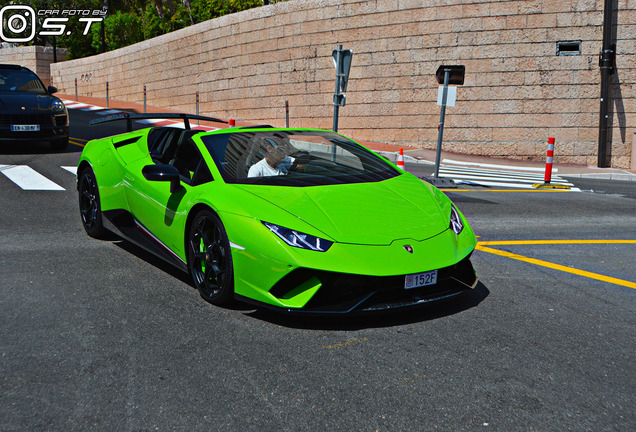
x,y
28,179
109,112
92,108
76,105
71,169
151,121
494,173
504,167
471,175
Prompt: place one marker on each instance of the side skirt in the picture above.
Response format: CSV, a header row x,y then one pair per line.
x,y
124,224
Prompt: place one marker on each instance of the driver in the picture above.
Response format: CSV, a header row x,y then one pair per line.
x,y
276,161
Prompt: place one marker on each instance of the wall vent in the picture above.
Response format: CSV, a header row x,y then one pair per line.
x,y
568,48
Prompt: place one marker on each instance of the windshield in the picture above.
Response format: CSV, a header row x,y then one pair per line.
x,y
294,158
20,80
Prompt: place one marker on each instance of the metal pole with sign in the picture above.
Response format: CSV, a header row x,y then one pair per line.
x,y
342,62
446,75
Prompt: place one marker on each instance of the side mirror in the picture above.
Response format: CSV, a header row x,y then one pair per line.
x,y
52,89
163,173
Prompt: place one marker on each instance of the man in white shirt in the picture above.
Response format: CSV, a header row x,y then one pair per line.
x,y
275,163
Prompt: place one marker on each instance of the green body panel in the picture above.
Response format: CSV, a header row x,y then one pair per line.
x,y
369,223
362,213
263,259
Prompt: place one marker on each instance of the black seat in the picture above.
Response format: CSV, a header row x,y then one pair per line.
x,y
162,142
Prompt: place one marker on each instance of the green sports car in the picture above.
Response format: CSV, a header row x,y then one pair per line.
x,y
297,220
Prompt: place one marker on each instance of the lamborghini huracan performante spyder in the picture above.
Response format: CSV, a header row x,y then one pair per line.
x,y
297,220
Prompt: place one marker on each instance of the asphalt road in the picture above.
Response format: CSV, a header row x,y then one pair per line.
x,y
98,335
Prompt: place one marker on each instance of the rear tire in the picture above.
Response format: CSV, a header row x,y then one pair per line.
x,y
210,259
90,205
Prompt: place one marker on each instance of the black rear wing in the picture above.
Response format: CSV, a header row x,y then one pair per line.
x,y
129,117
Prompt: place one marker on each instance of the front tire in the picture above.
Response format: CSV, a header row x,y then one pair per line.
x,y
90,205
210,259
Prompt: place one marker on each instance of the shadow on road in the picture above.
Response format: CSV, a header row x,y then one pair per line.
x,y
35,148
426,312
435,310
165,267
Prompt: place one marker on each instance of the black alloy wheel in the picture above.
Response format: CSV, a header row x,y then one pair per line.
x,y
89,204
210,259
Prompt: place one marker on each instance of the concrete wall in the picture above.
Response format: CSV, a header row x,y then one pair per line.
x,y
36,58
517,91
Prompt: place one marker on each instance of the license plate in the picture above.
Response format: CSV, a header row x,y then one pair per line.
x,y
420,279
25,128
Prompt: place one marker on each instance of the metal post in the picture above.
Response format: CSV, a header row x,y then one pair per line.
x,y
75,89
440,133
198,122
144,98
103,36
336,98
336,105
606,63
107,103
287,114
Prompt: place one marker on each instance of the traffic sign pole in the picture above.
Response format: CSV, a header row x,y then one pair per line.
x,y
446,74
336,105
342,62
442,116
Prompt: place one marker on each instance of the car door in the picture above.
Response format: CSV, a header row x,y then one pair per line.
x,y
160,210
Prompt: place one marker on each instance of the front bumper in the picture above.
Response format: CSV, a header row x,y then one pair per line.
x,y
342,293
53,127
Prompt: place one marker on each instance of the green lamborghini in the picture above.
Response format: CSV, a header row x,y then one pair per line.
x,y
298,220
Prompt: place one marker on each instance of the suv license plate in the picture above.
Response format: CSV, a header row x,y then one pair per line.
x,y
25,128
420,279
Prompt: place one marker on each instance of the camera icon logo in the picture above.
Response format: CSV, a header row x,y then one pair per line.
x,y
20,21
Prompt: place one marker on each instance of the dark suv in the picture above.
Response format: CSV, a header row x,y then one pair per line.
x,y
28,110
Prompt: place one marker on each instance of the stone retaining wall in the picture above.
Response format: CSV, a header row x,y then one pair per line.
x,y
36,58
517,91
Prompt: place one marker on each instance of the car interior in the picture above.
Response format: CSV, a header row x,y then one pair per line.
x,y
173,146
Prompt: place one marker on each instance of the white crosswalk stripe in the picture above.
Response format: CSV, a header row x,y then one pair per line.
x,y
29,179
71,169
511,177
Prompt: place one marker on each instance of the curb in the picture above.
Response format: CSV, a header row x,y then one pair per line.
x,y
392,156
629,177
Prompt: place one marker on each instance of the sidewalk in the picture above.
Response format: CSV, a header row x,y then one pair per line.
x,y
411,155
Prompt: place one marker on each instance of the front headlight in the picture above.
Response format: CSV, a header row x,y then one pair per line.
x,y
57,106
299,239
456,221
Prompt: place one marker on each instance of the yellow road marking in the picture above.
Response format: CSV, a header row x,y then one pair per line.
x,y
72,141
547,242
557,266
79,139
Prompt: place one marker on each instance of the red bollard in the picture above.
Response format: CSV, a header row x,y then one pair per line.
x,y
400,160
548,171
548,161
232,123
